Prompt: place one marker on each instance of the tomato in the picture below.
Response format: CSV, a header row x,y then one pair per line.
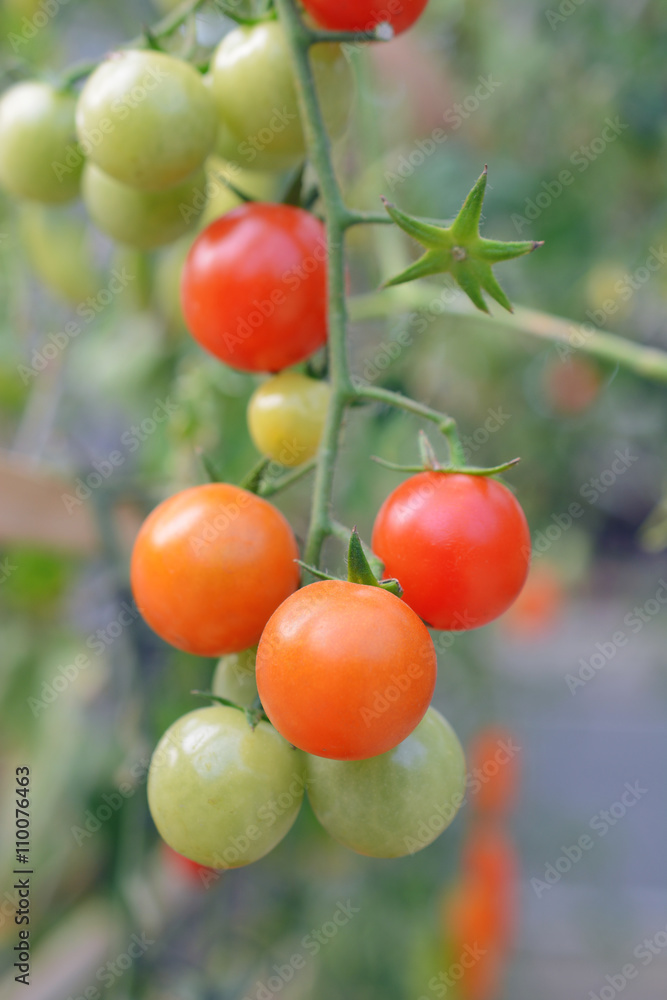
x,y
495,766
490,857
58,245
345,670
254,287
188,870
234,678
209,567
255,184
286,417
36,134
142,219
253,85
571,387
459,545
397,803
365,15
538,606
146,119
221,793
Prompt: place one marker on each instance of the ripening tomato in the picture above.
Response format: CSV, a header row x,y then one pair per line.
x,y
210,566
252,81
254,287
39,158
397,803
365,15
142,219
472,922
146,118
234,678
345,670
490,857
221,793
458,544
494,759
286,417
188,870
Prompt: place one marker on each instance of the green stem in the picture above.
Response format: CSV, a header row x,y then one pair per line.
x,y
649,362
271,486
445,424
337,218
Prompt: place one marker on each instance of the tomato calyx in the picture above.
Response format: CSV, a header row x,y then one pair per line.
x,y
430,463
359,570
460,250
254,715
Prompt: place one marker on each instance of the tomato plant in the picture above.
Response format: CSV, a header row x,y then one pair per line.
x,y
254,287
365,15
395,803
356,649
459,544
286,417
253,84
36,134
210,566
223,794
146,119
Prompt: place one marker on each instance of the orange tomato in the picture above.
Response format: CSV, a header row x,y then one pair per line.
x,y
344,670
490,857
494,762
537,607
571,386
210,566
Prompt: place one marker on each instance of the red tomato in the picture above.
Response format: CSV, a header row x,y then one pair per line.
x,y
459,545
210,566
571,387
254,287
344,670
494,762
364,15
189,870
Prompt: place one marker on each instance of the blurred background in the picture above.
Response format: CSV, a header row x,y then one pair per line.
x,y
541,91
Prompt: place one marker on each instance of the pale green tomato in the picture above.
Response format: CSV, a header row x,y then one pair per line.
x,y
146,119
142,219
286,417
253,85
39,156
221,793
234,678
167,282
58,246
258,185
397,803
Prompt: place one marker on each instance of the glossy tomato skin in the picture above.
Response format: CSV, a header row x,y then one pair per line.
x,y
221,793
36,135
142,219
209,567
397,803
252,81
286,416
345,671
234,678
254,287
459,545
146,118
365,15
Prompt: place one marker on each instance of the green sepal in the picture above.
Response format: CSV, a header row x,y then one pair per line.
x,y
314,571
254,715
212,473
359,570
459,250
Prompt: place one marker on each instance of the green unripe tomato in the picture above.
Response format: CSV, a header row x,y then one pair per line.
x,y
58,246
259,185
234,678
253,85
221,793
142,219
36,135
286,417
146,119
397,803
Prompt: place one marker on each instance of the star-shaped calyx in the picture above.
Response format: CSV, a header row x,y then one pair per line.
x,y
460,250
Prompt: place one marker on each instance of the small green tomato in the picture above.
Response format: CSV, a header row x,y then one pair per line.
x,y
234,678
